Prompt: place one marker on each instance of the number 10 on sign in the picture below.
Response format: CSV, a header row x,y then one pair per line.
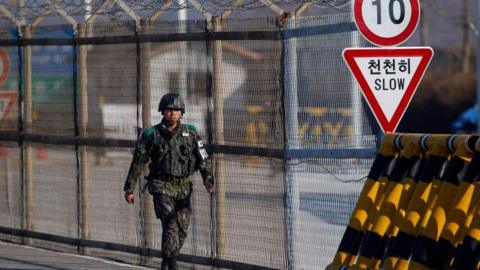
x,y
386,22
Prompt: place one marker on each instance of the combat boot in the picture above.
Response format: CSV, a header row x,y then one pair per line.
x,y
164,264
172,264
169,264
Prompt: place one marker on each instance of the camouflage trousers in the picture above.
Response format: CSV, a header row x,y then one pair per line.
x,y
175,216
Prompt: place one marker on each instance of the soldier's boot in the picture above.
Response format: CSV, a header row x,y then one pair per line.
x,y
172,264
164,264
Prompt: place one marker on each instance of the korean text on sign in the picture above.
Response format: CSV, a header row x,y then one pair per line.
x,y
389,66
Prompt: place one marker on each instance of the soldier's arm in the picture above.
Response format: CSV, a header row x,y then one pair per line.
x,y
141,156
203,163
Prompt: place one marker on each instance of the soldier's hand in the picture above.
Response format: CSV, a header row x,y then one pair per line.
x,y
210,187
209,183
129,197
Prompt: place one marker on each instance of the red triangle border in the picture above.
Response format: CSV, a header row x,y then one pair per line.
x,y
349,55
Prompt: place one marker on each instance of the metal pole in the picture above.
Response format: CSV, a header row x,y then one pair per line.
x,y
147,201
289,64
182,53
356,98
218,139
21,128
27,109
84,169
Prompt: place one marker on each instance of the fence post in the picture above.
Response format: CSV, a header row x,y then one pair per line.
x,y
84,170
144,80
356,99
27,109
218,138
290,99
21,127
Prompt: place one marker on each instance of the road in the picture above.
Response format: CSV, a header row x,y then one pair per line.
x,y
13,256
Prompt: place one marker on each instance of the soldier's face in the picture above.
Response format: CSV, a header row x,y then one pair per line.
x,y
172,115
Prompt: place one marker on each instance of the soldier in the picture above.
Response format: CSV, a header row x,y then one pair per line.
x,y
175,152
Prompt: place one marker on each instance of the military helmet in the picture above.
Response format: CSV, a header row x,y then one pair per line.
x,y
171,101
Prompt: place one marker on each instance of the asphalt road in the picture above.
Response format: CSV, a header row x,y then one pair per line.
x,y
13,256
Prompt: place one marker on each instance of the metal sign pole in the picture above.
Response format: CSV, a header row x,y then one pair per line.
x,y
356,98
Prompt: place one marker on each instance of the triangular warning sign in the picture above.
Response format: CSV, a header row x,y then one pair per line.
x,y
388,78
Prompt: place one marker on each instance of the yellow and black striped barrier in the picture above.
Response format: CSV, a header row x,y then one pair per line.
x,y
354,232
402,244
440,204
421,210
467,254
456,216
377,237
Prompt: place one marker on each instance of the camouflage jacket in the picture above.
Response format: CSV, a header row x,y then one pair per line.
x,y
173,156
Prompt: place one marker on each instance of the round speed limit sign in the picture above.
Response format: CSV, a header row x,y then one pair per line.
x,y
386,22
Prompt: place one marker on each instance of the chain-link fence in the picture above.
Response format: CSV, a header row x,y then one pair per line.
x,y
283,119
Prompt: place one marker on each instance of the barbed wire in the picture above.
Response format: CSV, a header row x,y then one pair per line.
x,y
30,9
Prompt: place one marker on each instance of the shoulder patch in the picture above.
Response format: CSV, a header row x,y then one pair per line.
x,y
148,132
191,127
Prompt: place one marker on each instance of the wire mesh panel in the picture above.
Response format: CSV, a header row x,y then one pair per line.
x,y
253,208
103,26
200,231
10,186
110,218
10,153
176,26
55,196
8,30
330,109
9,94
9,79
255,24
324,110
52,83
181,67
252,101
112,91
327,192
263,93
248,81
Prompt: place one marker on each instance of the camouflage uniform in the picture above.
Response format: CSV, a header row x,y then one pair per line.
x,y
174,155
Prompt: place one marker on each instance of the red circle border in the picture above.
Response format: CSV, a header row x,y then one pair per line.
x,y
382,41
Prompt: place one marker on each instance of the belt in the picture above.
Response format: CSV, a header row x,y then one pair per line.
x,y
179,180
169,178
